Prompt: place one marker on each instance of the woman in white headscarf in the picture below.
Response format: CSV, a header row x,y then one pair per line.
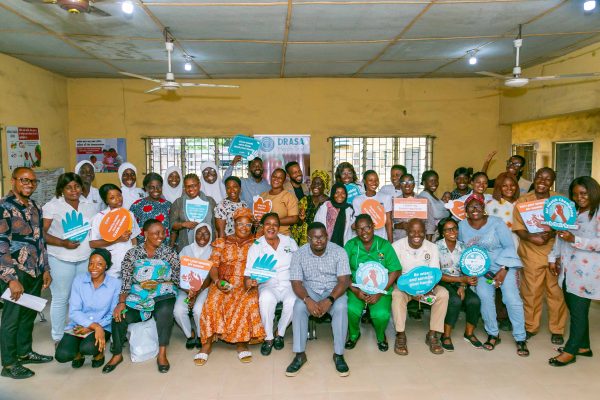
x,y
211,184
89,194
199,248
128,176
173,188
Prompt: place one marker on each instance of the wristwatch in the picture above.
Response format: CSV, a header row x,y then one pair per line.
x,y
331,299
505,268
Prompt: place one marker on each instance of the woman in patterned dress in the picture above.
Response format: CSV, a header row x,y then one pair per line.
x,y
308,205
226,207
153,206
231,312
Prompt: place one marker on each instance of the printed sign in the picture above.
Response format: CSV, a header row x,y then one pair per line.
x,y
375,210
261,207
560,213
263,268
532,213
419,280
115,223
105,154
196,209
371,278
244,146
353,190
74,228
23,147
474,261
193,272
278,150
457,208
410,207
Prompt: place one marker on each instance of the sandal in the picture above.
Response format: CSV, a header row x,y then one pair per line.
x,y
522,350
245,356
492,342
200,359
447,343
400,345
588,353
473,341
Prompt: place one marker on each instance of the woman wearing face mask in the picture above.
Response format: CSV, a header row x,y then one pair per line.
x,y
94,296
173,189
85,170
200,249
111,195
431,180
128,177
407,186
225,209
371,184
210,181
67,255
153,206
308,205
283,202
278,288
337,215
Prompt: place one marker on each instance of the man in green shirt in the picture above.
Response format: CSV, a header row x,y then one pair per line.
x,y
364,248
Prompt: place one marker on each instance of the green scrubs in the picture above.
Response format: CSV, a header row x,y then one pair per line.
x,y
382,252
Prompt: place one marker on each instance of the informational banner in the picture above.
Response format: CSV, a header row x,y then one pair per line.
x,y
105,154
532,213
23,147
278,150
410,207
46,189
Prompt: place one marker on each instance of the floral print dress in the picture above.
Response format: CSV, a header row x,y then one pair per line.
x,y
144,209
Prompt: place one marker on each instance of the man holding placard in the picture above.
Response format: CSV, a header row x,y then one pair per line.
x,y
375,268
255,184
24,268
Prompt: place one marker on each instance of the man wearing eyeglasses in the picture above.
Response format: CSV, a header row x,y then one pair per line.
x,y
515,165
23,269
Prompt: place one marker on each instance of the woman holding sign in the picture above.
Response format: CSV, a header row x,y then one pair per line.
x,y
575,259
66,232
431,181
283,202
268,267
407,188
491,234
337,215
377,204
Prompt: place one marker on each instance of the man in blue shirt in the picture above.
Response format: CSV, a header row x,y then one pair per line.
x,y
255,184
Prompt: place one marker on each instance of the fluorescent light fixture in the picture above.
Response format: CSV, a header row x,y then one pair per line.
x,y
188,66
589,5
127,7
472,57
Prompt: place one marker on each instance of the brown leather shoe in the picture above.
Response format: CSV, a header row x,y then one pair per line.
x,y
400,345
434,343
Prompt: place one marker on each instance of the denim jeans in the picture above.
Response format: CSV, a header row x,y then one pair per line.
x,y
511,298
63,273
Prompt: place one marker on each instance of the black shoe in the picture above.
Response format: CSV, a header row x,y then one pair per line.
x,y
108,368
588,353
190,343
34,358
163,368
383,346
340,365
505,325
78,362
17,372
366,316
529,335
416,315
350,344
97,363
266,347
278,343
557,339
555,363
294,368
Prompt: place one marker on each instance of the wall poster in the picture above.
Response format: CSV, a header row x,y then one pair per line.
x,y
106,154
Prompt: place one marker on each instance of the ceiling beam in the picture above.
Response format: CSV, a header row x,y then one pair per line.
x,y
286,34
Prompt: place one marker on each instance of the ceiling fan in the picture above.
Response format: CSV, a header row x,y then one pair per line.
x,y
169,83
74,6
516,80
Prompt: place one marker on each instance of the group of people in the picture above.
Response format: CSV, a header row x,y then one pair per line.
x,y
312,238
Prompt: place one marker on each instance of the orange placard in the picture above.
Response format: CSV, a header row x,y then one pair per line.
x,y
410,207
458,209
115,223
375,210
193,272
261,207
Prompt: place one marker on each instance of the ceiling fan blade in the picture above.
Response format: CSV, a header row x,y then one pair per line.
x,y
210,85
98,12
153,89
565,76
492,74
139,76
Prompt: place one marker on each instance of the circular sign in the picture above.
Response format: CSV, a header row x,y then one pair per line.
x,y
375,210
371,277
353,190
560,213
419,280
115,223
474,261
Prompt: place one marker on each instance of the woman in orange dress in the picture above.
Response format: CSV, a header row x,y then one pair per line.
x,y
231,312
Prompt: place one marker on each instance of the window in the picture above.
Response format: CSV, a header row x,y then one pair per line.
x,y
529,153
189,153
571,160
380,153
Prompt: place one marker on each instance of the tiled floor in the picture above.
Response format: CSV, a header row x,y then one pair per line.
x,y
465,373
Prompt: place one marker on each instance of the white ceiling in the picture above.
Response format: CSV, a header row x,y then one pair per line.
x,y
276,38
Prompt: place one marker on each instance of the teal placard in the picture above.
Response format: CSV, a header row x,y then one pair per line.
x,y
371,277
475,261
560,213
419,280
244,146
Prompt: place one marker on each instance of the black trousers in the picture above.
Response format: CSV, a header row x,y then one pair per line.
x,y
579,332
163,315
471,302
70,345
16,330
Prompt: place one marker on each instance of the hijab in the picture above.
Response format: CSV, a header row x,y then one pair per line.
x,y
81,164
130,195
172,193
215,190
193,250
339,227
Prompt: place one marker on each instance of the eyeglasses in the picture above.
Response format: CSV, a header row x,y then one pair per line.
x,y
364,228
27,181
317,238
453,229
406,183
516,164
475,207
243,225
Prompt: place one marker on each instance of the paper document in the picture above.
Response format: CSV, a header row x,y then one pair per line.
x,y
26,300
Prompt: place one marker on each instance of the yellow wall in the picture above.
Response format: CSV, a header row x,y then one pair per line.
x,y
33,97
462,113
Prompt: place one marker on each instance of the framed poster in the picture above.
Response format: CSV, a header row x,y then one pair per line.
x,y
105,154
23,147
